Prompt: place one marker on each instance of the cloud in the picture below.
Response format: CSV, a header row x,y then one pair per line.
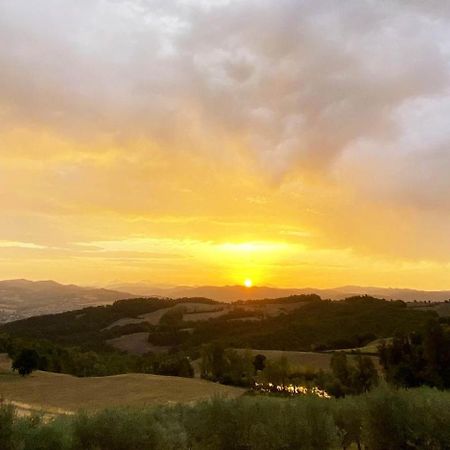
x,y
316,116
301,80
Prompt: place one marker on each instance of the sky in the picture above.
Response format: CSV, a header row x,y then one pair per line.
x,y
290,142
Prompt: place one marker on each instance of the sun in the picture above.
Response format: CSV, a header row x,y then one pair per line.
x,y
248,283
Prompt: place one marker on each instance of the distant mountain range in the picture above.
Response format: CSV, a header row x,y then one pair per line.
x,y
231,293
24,298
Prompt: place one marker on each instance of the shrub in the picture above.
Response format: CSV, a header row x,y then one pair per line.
x,y
384,419
6,426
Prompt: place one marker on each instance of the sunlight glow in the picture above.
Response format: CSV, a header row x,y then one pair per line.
x,y
248,283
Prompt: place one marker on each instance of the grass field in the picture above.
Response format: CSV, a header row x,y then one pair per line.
x,y
305,360
372,347
136,343
195,311
53,393
443,309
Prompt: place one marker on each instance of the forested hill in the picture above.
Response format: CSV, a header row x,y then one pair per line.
x,y
324,325
294,323
87,327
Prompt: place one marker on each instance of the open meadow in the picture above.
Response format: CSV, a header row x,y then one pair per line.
x,y
52,392
303,360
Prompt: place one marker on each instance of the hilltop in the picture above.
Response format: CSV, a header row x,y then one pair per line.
x,y
233,293
24,298
50,392
157,335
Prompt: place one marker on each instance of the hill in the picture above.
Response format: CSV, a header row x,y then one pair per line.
x,y
322,325
232,293
301,325
24,298
49,391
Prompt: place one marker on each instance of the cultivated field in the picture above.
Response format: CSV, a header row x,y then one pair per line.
x,y
372,347
53,392
193,309
195,312
304,360
136,343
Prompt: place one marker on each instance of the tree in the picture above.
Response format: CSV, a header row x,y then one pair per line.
x,y
173,317
26,361
353,378
418,358
339,367
259,362
213,361
277,371
364,375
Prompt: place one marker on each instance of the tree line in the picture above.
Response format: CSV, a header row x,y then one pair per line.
x,y
353,375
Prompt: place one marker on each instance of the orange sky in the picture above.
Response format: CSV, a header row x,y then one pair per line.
x,y
211,142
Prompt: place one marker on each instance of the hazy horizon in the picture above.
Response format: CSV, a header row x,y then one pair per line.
x,y
120,285
218,142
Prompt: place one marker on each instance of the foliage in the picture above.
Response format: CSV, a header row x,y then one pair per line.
x,y
173,316
26,361
72,360
75,342
356,378
259,362
177,365
226,366
384,419
299,298
317,326
418,358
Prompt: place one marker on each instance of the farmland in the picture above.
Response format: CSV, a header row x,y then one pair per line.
x,y
52,392
303,360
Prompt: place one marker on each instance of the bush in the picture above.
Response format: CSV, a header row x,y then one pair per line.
x,y
399,419
6,427
384,419
26,361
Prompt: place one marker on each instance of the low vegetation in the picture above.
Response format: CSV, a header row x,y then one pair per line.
x,y
383,419
420,358
80,342
347,376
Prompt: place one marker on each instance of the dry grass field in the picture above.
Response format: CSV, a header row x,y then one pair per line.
x,y
372,347
194,312
304,360
310,360
443,309
191,309
52,392
136,343
198,316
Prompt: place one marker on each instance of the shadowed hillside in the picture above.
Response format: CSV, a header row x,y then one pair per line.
x,y
24,298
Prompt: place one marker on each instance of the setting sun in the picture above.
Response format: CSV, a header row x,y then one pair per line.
x,y
248,283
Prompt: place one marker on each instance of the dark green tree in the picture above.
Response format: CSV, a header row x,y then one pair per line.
x,y
339,367
26,361
418,358
364,375
259,362
173,317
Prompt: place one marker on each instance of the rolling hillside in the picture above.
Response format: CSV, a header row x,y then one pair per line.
x,y
24,298
51,392
294,323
